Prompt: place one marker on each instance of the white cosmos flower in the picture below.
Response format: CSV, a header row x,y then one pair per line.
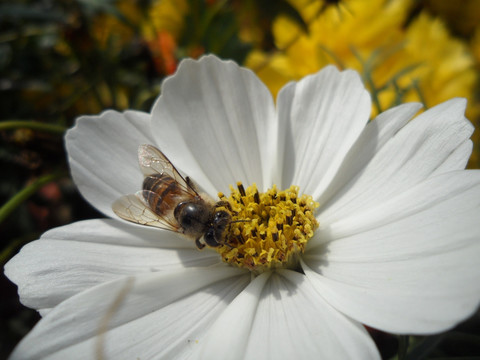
x,y
397,246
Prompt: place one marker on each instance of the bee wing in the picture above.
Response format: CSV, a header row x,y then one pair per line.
x,y
133,208
153,161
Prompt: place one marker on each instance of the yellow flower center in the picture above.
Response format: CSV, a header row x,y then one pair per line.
x,y
268,230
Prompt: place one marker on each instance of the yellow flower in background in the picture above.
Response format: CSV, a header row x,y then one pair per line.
x,y
333,33
419,61
441,66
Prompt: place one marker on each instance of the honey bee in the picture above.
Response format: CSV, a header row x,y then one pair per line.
x,y
170,201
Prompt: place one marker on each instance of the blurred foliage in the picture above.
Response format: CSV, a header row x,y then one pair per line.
x,y
60,59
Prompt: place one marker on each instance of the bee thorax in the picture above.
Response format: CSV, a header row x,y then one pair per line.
x,y
193,216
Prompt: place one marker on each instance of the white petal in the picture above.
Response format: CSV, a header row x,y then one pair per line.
x,y
375,135
320,118
409,265
44,312
282,317
64,263
221,118
423,148
457,160
161,316
102,153
234,325
294,322
109,231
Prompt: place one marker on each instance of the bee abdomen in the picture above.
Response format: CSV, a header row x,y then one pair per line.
x,y
162,194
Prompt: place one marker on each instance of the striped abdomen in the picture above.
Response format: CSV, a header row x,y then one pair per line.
x,y
162,193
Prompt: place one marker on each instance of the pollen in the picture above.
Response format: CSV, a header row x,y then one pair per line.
x,y
268,230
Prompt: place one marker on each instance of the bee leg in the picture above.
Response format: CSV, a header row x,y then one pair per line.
x,y
200,246
227,244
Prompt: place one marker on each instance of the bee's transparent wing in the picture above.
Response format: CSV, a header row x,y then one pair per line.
x,y
133,208
153,161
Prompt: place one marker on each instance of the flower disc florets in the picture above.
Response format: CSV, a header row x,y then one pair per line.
x,y
268,230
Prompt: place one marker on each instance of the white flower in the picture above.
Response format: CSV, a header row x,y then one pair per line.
x,y
397,246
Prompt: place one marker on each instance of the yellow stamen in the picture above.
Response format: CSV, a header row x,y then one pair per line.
x,y
268,230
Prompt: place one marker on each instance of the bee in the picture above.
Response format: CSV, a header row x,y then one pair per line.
x,y
170,201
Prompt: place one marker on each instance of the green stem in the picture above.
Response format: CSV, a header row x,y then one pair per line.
x,y
34,125
403,342
368,66
25,193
